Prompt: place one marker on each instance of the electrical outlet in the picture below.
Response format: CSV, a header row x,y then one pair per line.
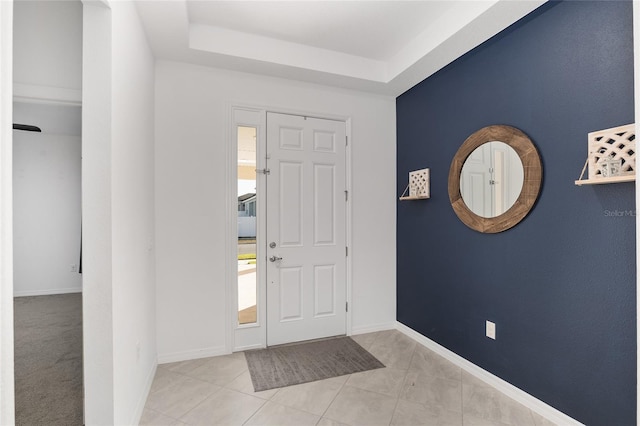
x,y
74,268
491,330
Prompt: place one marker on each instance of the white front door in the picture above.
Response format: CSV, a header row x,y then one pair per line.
x,y
306,215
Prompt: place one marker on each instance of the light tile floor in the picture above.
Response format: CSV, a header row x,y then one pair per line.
x,y
417,387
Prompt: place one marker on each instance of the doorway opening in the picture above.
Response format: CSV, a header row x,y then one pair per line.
x,y
288,228
47,279
47,212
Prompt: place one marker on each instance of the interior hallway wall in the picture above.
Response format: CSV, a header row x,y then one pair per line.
x,y
193,106
118,214
133,216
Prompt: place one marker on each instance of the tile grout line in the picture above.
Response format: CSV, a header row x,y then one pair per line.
x,y
345,382
532,418
221,387
334,397
161,413
169,384
264,402
198,404
254,389
404,383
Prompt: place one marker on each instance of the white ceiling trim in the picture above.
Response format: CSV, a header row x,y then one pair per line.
x,y
442,29
266,49
465,25
467,36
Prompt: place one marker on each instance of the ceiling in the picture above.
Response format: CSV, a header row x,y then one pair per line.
x,y
382,47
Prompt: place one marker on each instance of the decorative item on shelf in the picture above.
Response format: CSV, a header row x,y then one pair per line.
x,y
612,156
418,186
610,166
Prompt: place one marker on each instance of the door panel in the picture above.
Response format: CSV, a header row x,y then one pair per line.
x,y
290,294
306,211
325,290
324,214
291,197
324,141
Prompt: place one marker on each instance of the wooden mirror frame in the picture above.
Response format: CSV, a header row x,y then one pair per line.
x,y
531,184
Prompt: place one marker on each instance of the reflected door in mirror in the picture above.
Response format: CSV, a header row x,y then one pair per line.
x,y
491,179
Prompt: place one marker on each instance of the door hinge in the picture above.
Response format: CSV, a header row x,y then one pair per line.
x,y
346,195
346,138
346,251
346,307
263,171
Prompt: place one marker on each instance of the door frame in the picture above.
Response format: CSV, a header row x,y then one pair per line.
x,y
7,394
239,338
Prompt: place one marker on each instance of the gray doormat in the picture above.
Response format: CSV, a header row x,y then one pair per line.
x,y
281,366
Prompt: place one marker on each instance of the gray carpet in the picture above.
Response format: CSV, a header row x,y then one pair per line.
x,y
280,366
48,360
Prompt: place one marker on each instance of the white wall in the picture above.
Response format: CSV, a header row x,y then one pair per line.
x,y
118,214
7,401
132,156
193,106
48,34
97,273
46,200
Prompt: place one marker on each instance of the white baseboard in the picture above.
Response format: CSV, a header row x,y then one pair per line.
x,y
194,354
248,347
47,292
529,401
373,328
137,415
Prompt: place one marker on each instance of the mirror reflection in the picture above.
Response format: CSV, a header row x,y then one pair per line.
x,y
491,179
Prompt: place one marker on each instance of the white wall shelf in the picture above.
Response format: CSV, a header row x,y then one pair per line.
x,y
412,198
605,180
611,152
418,186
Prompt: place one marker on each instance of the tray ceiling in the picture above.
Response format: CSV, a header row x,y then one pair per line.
x,y
377,46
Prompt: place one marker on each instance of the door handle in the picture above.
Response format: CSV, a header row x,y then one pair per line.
x,y
274,258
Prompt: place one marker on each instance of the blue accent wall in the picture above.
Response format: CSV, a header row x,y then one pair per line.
x,y
560,286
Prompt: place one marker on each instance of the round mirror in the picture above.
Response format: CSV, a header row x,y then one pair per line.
x,y
494,179
491,179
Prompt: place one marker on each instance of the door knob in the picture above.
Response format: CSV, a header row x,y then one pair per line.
x,y
274,258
